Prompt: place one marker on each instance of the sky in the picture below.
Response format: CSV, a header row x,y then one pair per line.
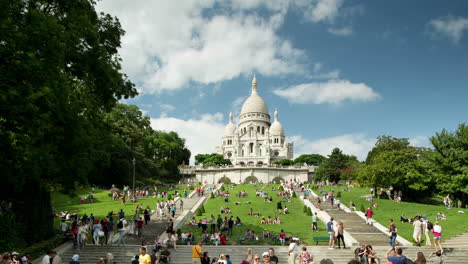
x,y
340,73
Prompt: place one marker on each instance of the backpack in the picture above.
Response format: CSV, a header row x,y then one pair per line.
x,y
429,226
120,224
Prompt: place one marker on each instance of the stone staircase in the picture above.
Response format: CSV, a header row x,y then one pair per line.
x,y
123,254
460,241
355,225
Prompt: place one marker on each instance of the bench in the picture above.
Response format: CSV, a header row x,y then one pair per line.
x,y
320,239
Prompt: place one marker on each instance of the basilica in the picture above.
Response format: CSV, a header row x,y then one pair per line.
x,y
255,140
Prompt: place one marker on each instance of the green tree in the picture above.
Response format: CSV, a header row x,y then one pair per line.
x,y
331,169
60,73
210,160
284,162
449,162
310,159
394,162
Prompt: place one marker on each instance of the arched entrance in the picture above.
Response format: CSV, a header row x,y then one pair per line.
x,y
224,180
278,180
251,179
250,163
242,163
260,163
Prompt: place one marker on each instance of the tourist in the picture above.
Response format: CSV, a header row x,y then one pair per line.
x,y
282,237
109,259
331,232
154,257
205,259
174,239
319,201
147,216
371,255
417,230
249,256
228,259
144,258
436,257
273,257
393,231
360,254
197,254
101,260
223,239
97,232
63,226
314,222
45,260
340,234
219,221
222,259
265,258
420,259
139,226
352,206
305,257
369,214
135,260
437,232
279,207
166,255
292,251
427,227
56,259
110,231
121,225
256,260
397,258
75,259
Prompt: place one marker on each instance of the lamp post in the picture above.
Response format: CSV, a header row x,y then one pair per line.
x,y
134,164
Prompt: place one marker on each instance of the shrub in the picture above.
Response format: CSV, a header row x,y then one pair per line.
x,y
212,195
304,209
192,188
222,189
281,188
198,212
313,187
309,211
202,209
338,195
294,195
179,232
363,209
169,196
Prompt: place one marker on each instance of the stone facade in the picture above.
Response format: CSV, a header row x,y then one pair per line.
x,y
255,141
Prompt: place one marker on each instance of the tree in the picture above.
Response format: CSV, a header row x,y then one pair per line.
x,y
449,162
331,169
211,160
310,159
393,162
284,162
60,73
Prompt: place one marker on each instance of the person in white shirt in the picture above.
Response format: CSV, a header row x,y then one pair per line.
x,y
47,257
121,225
292,251
63,226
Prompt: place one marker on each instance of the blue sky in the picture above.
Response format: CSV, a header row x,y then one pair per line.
x,y
339,72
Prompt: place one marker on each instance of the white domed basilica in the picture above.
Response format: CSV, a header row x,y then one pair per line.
x,y
255,140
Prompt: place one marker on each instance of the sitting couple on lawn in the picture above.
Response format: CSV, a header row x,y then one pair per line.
x,y
270,220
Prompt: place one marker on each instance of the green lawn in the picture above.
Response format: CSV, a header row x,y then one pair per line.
x,y
455,224
103,203
297,223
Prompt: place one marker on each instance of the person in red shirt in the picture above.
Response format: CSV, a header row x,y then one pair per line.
x,y
223,239
369,214
140,226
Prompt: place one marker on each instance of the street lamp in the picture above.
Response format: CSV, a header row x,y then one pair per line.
x,y
134,164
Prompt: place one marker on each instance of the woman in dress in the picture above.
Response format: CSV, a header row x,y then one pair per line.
x,y
305,257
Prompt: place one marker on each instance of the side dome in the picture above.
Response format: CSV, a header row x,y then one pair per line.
x,y
255,103
230,128
276,128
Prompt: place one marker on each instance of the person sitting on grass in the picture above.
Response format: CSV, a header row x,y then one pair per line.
x,y
251,212
262,221
238,222
282,237
269,221
193,222
266,234
286,210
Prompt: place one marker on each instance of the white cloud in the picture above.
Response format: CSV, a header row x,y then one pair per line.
x,y
351,144
167,107
419,141
335,74
344,31
333,92
169,44
201,135
452,27
320,10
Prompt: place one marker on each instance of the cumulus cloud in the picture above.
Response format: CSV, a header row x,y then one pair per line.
x,y
452,27
169,45
167,107
332,92
345,31
351,144
201,134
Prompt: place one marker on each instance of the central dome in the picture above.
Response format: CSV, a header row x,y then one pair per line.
x,y
255,103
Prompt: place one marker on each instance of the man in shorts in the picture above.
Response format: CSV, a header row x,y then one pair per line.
x,y
331,232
